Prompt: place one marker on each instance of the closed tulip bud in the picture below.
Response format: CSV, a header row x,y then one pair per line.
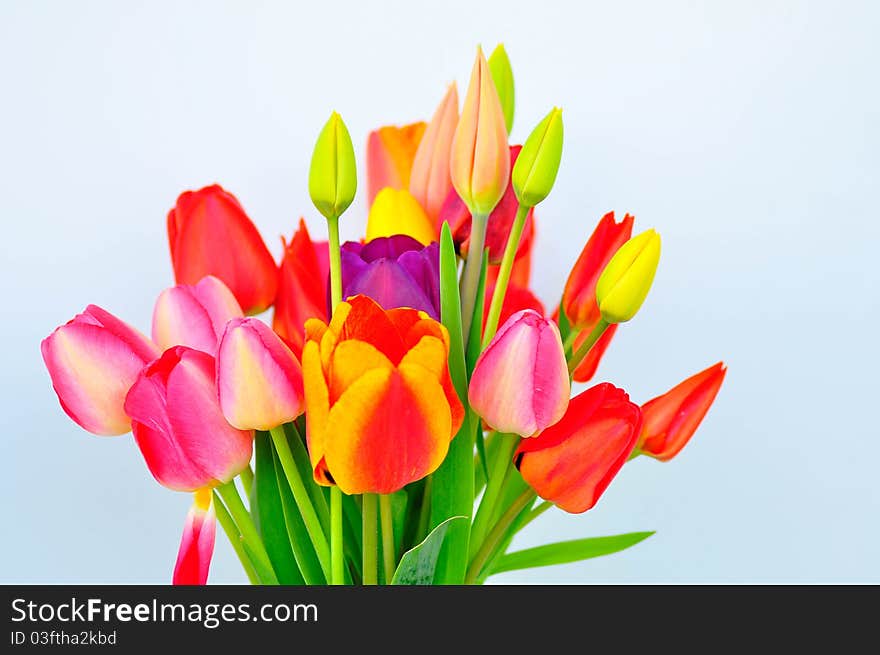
x,y
430,183
333,172
178,426
626,280
538,163
381,409
259,380
395,211
480,161
197,542
93,360
670,420
390,153
502,75
573,462
210,234
194,316
520,384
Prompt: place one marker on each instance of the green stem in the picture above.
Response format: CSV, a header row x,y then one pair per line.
x,y
388,557
470,277
248,530
578,356
535,513
337,555
504,274
497,534
301,496
335,263
371,540
234,537
247,480
507,443
570,339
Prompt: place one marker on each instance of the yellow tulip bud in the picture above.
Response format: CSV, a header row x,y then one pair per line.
x,y
333,173
396,211
535,170
626,280
502,75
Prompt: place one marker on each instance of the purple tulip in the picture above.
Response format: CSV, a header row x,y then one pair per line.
x,y
395,271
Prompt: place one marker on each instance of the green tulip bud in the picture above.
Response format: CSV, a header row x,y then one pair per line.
x,y
538,163
626,280
502,76
333,173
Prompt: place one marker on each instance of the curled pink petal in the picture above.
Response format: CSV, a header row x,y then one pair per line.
x,y
197,541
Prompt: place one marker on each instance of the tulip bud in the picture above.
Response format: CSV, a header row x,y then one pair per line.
x,y
194,315
430,183
520,384
395,211
502,75
259,380
626,280
538,163
197,542
333,173
480,161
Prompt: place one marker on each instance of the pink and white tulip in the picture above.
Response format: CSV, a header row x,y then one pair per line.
x,y
194,315
259,379
178,425
93,360
520,384
197,542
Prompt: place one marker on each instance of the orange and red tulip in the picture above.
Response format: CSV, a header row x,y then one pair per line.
x,y
670,420
197,542
210,234
381,409
390,154
302,287
573,462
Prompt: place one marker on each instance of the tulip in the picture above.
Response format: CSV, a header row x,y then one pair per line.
x,y
585,371
259,380
516,299
381,409
670,420
178,426
302,287
456,213
520,383
395,272
479,163
429,182
194,315
396,211
572,463
502,75
210,234
197,542
390,154
333,171
93,360
538,163
579,297
626,280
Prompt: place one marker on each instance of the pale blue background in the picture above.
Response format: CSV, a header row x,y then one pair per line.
x,y
746,133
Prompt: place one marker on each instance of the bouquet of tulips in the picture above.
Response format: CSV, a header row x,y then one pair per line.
x,y
409,410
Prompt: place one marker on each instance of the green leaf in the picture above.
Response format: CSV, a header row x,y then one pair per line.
x,y
271,515
450,311
417,566
564,552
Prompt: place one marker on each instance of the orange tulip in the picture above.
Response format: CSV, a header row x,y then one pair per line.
x,y
670,420
380,405
390,154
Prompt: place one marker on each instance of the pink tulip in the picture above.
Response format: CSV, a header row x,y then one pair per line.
x,y
197,542
178,425
194,316
259,379
520,384
93,360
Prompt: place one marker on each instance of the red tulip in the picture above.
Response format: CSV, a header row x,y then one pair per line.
x,y
572,463
210,234
670,420
587,368
302,287
197,542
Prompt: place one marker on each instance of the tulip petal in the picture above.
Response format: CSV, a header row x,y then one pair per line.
x,y
430,182
390,153
350,361
197,542
317,398
587,368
